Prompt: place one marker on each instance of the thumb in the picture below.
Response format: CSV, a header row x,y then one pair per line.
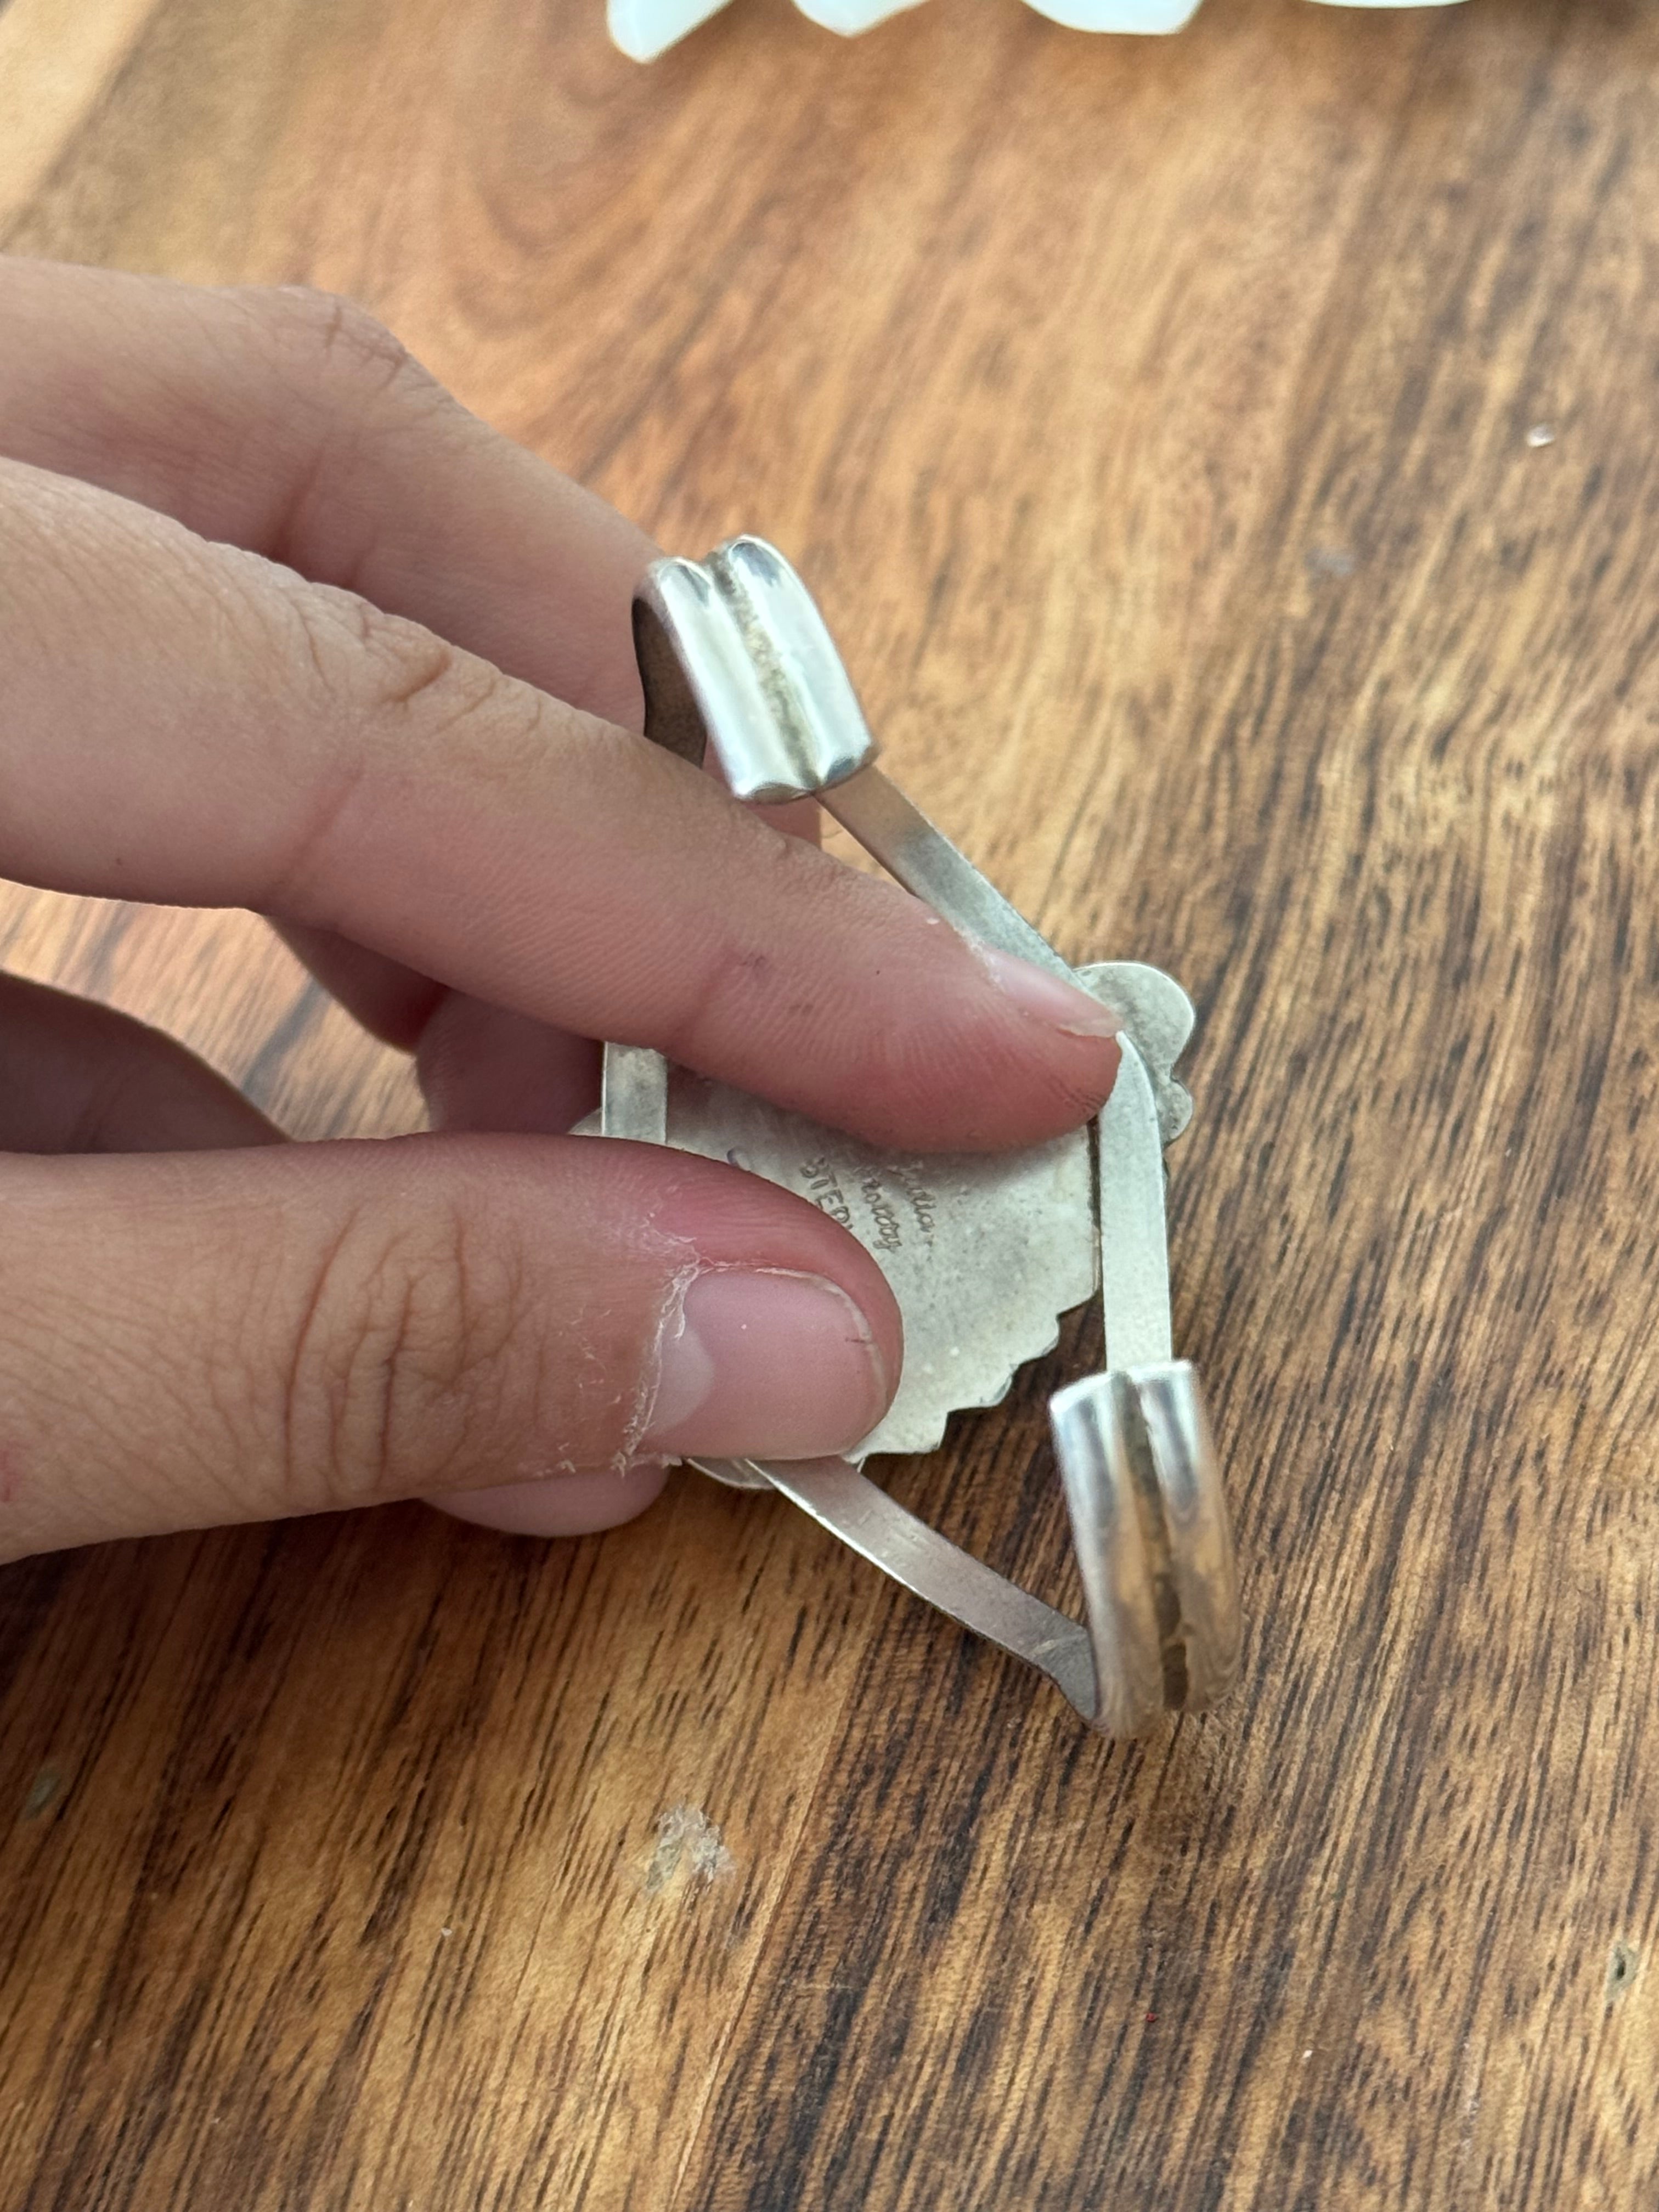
x,y
215,1337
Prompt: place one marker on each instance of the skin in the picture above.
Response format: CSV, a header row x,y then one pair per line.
x,y
283,627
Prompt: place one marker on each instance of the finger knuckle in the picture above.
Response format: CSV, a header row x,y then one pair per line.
x,y
331,338
374,663
404,1366
402,702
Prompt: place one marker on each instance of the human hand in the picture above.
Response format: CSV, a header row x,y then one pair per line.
x,y
283,626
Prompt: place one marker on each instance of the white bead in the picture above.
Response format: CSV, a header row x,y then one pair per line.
x,y
1142,15
849,17
645,29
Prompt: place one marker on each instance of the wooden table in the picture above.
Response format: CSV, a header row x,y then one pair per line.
x,y
1158,422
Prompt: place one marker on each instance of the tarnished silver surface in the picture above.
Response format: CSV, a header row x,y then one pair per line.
x,y
1143,1487
923,858
634,1094
1182,1456
1118,1555
1135,1260
1141,1480
734,653
984,1254
840,1498
1150,1527
1158,1015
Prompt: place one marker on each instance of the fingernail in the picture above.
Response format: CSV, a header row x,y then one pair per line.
x,y
766,1366
1049,997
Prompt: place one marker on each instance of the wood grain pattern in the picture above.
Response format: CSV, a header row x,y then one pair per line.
x,y
57,60
1152,421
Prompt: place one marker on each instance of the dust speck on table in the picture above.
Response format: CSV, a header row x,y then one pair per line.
x,y
688,1846
42,1790
1622,1962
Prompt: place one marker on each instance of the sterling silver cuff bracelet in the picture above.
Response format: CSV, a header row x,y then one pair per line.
x,y
984,1254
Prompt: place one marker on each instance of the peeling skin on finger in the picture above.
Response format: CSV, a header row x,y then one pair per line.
x,y
724,1348
555,1498
670,1329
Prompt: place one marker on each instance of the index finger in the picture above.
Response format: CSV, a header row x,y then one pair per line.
x,y
189,723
